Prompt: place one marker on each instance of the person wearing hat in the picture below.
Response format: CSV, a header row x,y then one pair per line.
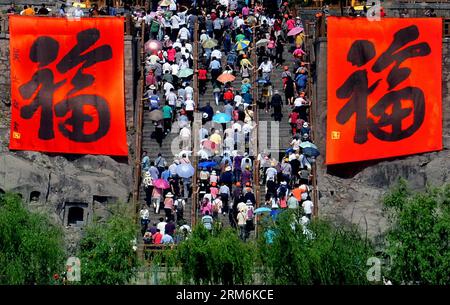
x,y
277,104
305,129
168,206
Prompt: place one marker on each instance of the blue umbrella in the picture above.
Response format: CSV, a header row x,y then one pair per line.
x,y
310,151
262,210
274,213
207,164
221,118
185,170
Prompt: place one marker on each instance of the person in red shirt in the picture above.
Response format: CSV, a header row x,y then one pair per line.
x,y
293,121
171,52
157,237
228,96
202,79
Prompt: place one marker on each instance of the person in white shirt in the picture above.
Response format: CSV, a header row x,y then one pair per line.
x,y
299,101
78,12
175,26
295,143
217,54
237,126
161,226
167,87
307,208
204,36
175,69
177,43
271,173
184,34
189,91
266,68
185,134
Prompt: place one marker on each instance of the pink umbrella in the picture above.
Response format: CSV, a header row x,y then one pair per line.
x,y
161,184
152,45
207,144
295,31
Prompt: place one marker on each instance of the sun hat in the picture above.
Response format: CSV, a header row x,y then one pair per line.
x,y
305,124
169,195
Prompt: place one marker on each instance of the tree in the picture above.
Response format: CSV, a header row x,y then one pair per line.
x,y
318,253
219,257
106,250
418,241
31,246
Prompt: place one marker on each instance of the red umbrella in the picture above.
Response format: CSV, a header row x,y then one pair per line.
x,y
161,184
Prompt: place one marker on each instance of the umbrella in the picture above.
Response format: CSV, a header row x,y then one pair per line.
x,y
165,3
241,205
156,115
207,144
274,213
262,210
225,78
153,59
161,184
295,31
307,144
221,118
241,45
207,164
262,42
185,170
240,37
311,151
152,45
209,43
186,72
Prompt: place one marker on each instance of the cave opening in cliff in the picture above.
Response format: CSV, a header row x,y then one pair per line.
x,y
75,216
34,196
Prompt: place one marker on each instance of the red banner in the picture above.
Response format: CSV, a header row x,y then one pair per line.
x,y
384,88
67,85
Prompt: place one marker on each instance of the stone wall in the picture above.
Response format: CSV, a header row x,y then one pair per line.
x,y
54,183
352,193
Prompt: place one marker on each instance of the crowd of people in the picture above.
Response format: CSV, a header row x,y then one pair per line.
x,y
229,31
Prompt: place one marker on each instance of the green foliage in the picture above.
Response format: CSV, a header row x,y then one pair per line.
x,y
106,250
219,257
418,240
31,246
324,255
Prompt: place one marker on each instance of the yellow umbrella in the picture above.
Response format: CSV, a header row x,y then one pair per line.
x,y
209,43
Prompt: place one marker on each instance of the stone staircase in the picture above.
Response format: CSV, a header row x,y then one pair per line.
x,y
278,134
167,151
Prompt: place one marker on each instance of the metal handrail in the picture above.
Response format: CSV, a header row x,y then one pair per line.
x,y
139,126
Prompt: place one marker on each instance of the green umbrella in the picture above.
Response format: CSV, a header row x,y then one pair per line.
x,y
240,37
186,72
307,144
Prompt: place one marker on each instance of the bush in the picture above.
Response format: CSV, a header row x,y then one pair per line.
x,y
322,254
106,251
418,239
31,246
214,258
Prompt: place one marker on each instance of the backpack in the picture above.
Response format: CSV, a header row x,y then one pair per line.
x,y
179,204
282,191
250,213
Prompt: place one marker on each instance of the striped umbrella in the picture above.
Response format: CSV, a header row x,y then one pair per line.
x,y
241,45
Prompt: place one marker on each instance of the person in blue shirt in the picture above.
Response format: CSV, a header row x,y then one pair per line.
x,y
166,174
145,163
